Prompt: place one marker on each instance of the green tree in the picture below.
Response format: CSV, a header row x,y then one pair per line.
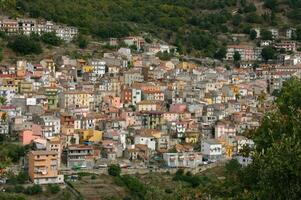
x,y
82,41
53,188
221,53
268,53
114,170
253,34
51,38
1,55
298,33
236,56
25,45
266,34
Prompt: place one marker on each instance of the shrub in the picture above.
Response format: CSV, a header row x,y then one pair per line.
x,y
32,190
114,170
53,188
25,45
51,38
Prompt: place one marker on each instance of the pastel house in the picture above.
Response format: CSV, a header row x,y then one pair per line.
x,y
27,136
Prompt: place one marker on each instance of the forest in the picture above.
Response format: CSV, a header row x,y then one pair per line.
x,y
198,27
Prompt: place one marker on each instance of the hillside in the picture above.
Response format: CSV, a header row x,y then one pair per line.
x,y
198,27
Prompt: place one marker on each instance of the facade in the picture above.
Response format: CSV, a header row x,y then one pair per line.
x,y
79,156
184,159
211,149
247,53
43,167
29,26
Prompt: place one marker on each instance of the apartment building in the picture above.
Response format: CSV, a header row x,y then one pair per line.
x,y
75,99
43,167
79,156
183,159
247,53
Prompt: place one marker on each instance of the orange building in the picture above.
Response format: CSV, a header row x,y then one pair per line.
x,y
43,167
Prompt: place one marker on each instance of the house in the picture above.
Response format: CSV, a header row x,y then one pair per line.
x,y
147,105
146,139
80,156
43,167
54,144
27,136
77,99
211,149
247,53
183,159
99,68
90,135
224,128
286,45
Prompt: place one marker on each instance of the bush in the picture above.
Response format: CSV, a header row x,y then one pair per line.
x,y
24,45
114,170
32,190
82,42
53,188
19,189
168,190
51,38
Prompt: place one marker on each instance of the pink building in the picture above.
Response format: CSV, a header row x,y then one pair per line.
x,y
113,101
178,108
224,128
27,136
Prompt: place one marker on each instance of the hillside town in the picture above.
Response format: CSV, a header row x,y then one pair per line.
x,y
32,26
134,109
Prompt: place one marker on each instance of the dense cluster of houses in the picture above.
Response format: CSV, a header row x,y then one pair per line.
x,y
281,41
132,107
29,26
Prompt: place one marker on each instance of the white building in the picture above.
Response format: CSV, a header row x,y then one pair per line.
x,y
211,149
136,96
183,159
98,67
51,126
147,140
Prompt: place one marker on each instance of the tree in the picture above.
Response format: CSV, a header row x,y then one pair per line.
x,y
82,41
266,34
114,170
53,188
24,45
298,33
236,56
221,53
1,55
268,53
2,100
253,34
51,38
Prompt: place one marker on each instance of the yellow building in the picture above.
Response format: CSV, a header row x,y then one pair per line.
x,y
192,137
43,167
26,87
9,84
87,68
91,135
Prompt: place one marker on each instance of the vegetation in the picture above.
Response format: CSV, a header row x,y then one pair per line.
x,y
236,56
11,153
51,38
193,26
268,53
81,41
25,45
114,170
53,188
